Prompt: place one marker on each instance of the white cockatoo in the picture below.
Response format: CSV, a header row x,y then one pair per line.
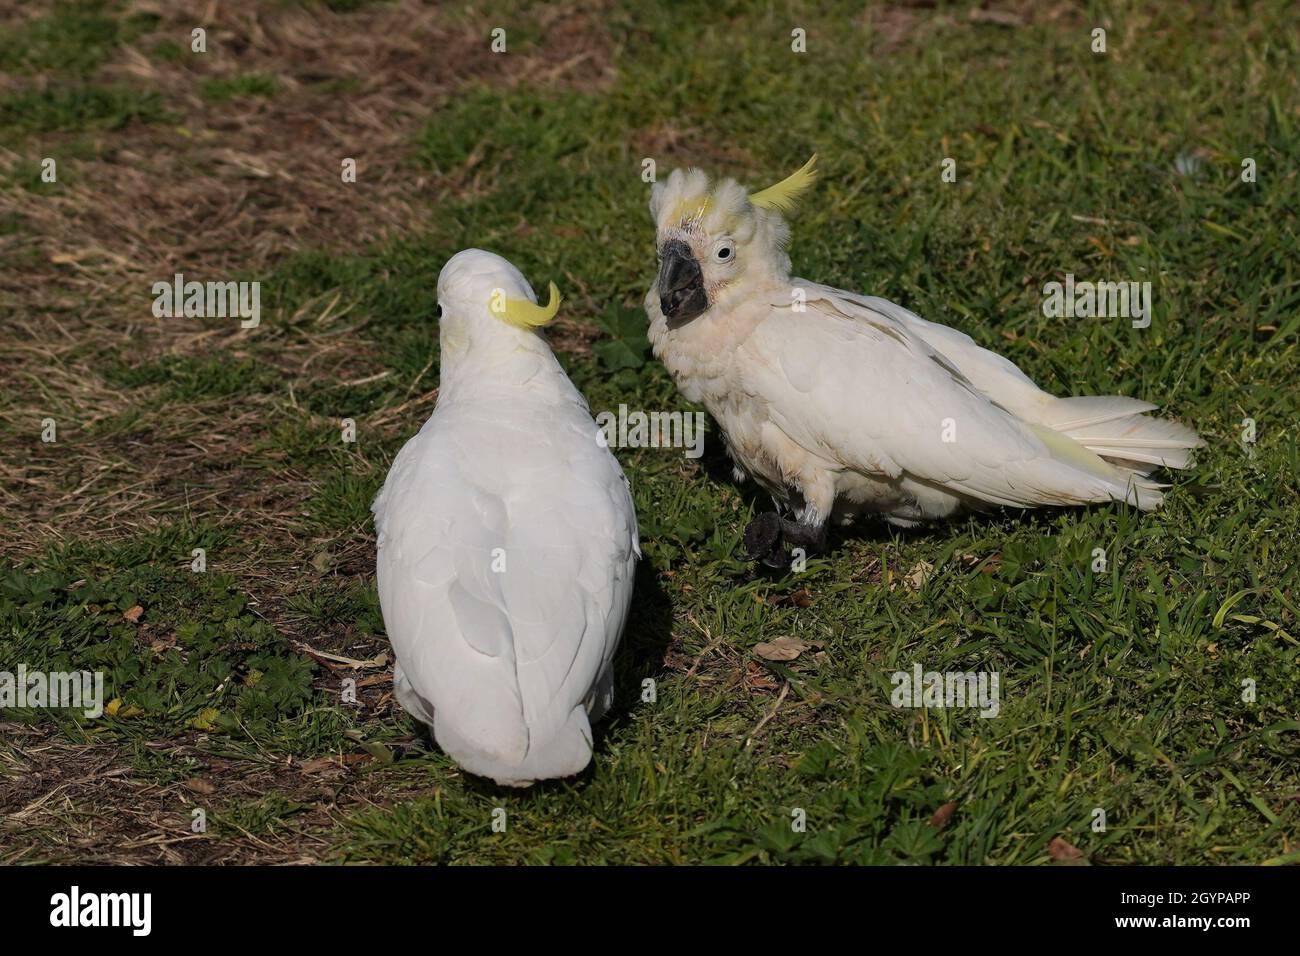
x,y
838,403
507,542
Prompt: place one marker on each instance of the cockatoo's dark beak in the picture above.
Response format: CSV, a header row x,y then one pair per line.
x,y
681,285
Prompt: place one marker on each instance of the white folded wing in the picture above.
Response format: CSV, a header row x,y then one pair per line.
x,y
868,385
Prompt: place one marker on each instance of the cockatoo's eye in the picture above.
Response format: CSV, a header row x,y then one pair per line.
x,y
437,312
724,252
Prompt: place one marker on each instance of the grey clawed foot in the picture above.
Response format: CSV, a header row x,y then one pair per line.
x,y
768,534
809,537
763,542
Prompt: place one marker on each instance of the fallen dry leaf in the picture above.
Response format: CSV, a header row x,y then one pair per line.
x,y
755,676
164,643
133,615
200,785
337,762
379,660
782,649
943,815
799,598
919,574
1063,852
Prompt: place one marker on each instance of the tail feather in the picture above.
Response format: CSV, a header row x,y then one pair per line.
x,y
1118,483
1067,414
1116,429
1118,458
1145,460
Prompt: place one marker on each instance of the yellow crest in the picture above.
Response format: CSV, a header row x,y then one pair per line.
x,y
520,312
689,210
782,196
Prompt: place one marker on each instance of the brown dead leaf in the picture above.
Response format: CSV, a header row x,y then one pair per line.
x,y
799,598
943,815
755,676
200,785
164,643
1063,852
986,565
334,762
133,615
781,649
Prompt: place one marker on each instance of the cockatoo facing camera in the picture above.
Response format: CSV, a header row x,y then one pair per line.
x,y
507,542
838,404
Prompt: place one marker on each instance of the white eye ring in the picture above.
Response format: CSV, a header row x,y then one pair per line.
x,y
725,252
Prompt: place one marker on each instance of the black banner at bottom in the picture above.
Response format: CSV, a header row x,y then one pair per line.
x,y
337,904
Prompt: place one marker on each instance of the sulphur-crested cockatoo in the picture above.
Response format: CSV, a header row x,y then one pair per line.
x,y
837,403
507,542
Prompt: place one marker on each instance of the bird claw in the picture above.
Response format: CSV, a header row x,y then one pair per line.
x,y
763,540
768,534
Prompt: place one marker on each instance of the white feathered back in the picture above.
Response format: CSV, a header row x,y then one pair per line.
x,y
507,547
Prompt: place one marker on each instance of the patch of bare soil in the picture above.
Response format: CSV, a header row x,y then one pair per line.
x,y
228,189
236,184
64,802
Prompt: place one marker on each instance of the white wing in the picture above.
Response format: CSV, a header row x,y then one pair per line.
x,y
1111,426
507,548
858,387
995,376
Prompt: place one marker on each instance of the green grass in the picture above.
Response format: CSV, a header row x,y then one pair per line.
x,y
245,84
1121,690
73,37
78,108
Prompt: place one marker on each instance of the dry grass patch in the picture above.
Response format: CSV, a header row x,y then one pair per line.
x,y
226,189
85,803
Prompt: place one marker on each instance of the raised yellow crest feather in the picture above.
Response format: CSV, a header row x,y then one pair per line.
x,y
782,196
524,314
690,209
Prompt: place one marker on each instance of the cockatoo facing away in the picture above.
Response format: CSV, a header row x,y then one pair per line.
x,y
507,542
837,403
